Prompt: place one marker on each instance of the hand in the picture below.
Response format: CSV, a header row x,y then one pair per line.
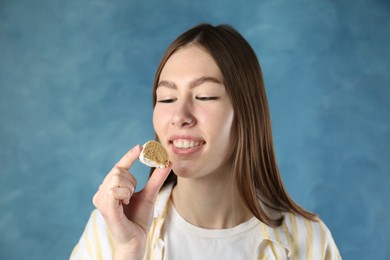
x,y
128,214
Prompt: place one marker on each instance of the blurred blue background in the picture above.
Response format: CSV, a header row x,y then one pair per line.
x,y
75,94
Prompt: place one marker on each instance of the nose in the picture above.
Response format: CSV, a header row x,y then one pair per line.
x,y
182,115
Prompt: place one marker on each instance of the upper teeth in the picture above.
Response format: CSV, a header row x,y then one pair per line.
x,y
185,143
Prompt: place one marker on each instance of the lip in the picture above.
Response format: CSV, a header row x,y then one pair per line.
x,y
186,151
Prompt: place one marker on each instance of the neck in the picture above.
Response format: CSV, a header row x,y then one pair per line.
x,y
210,202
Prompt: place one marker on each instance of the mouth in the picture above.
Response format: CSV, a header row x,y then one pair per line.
x,y
186,144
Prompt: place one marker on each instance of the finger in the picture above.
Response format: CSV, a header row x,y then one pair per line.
x,y
96,199
123,181
122,194
155,183
114,208
121,177
115,172
128,159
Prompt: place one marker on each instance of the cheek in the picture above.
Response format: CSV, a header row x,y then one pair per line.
x,y
158,119
225,117
227,132
227,125
219,122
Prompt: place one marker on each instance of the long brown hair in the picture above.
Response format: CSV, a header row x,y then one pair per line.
x,y
255,168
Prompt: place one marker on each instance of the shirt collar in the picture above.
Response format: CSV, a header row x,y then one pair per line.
x,y
279,235
160,206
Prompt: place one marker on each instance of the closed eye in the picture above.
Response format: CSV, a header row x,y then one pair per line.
x,y
207,98
169,100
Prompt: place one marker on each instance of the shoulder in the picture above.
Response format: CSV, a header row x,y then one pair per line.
x,y
309,238
96,241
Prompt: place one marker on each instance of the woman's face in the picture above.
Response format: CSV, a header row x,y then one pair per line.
x,y
193,116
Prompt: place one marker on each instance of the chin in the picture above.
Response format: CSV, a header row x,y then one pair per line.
x,y
183,169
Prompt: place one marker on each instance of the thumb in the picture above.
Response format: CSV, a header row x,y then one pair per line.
x,y
155,183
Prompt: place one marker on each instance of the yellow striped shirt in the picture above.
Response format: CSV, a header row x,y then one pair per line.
x,y
296,238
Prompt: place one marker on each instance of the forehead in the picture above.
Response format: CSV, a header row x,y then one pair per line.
x,y
190,61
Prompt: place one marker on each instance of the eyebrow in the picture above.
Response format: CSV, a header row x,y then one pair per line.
x,y
193,84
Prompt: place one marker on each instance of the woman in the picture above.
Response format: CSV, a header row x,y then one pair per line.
x,y
224,198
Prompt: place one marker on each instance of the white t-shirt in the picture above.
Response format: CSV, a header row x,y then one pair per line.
x,y
296,238
185,241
